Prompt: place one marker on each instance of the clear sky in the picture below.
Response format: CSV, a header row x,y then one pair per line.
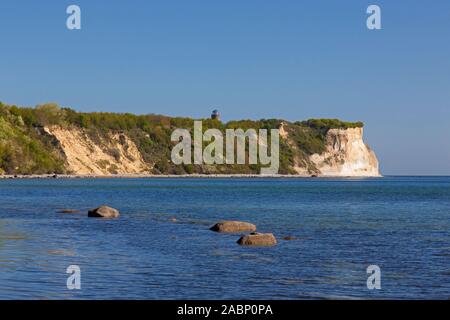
x,y
248,58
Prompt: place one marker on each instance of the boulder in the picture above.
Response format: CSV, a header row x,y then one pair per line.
x,y
104,212
233,227
258,239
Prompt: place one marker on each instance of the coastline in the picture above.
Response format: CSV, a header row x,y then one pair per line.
x,y
173,176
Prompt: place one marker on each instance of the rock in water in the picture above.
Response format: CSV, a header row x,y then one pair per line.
x,y
104,212
233,227
68,211
258,239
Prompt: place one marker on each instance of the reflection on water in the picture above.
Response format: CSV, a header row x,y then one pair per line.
x,y
341,226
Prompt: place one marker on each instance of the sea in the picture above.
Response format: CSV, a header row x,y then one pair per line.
x,y
161,246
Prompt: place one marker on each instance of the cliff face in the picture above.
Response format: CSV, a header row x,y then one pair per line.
x,y
346,155
111,154
49,139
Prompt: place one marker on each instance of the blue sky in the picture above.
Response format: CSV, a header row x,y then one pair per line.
x,y
250,59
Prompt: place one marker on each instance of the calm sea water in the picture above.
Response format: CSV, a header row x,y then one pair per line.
x,y
401,224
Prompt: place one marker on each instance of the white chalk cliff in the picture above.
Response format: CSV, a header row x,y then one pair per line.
x,y
346,155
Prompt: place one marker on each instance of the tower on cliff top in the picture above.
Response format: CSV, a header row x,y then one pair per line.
x,y
215,115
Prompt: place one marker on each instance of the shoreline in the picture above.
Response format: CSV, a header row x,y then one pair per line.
x,y
172,176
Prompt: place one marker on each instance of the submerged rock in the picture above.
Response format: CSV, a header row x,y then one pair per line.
x,y
62,252
233,227
68,211
258,239
289,238
104,212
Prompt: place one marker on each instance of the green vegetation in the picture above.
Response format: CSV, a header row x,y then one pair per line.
x,y
25,147
326,124
23,150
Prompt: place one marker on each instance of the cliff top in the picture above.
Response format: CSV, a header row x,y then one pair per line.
x,y
52,114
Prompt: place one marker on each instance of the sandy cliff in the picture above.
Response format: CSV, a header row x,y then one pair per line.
x,y
113,154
